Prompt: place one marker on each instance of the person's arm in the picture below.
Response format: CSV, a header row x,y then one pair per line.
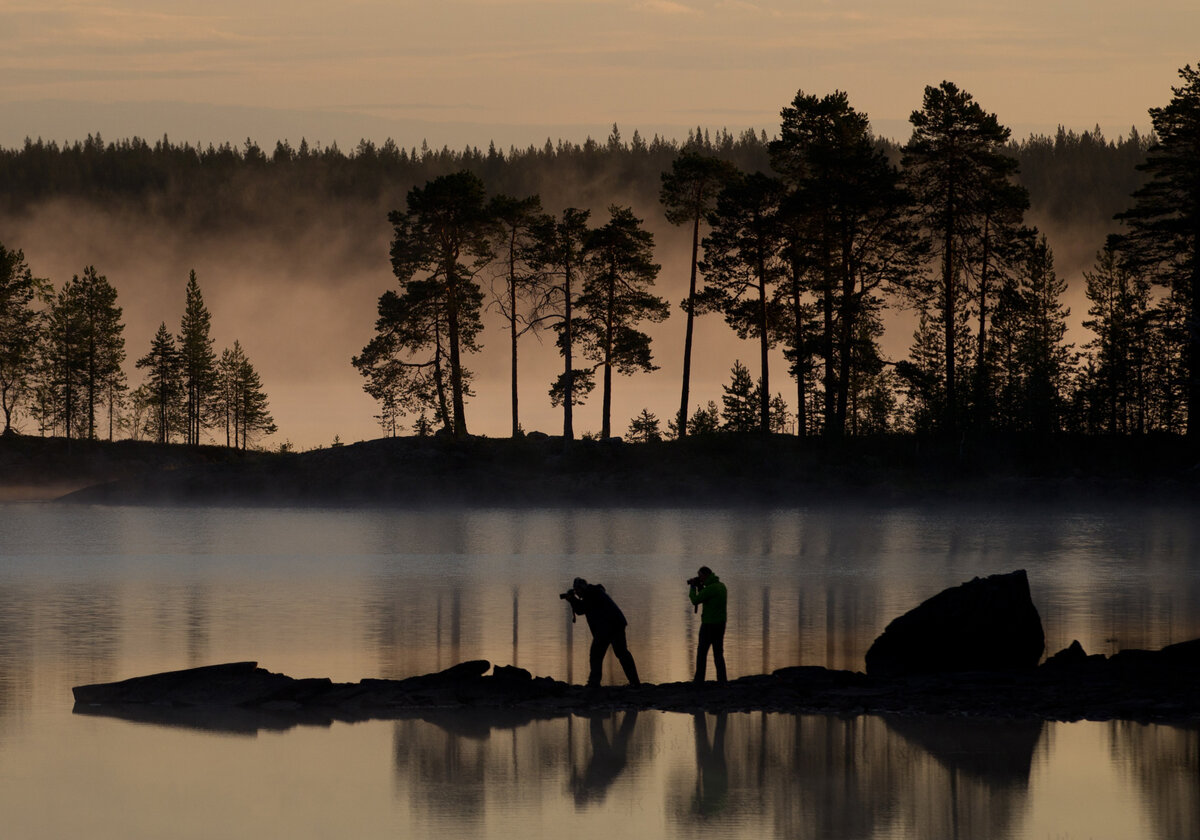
x,y
576,604
698,594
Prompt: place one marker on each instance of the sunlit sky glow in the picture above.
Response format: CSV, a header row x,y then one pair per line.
x,y
467,71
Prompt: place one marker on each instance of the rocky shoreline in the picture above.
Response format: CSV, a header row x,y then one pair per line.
x,y
972,649
1148,686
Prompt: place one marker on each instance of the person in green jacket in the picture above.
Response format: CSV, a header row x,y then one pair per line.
x,y
707,591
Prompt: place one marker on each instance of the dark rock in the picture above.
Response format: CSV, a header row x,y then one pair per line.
x,y
1072,655
986,624
232,684
511,673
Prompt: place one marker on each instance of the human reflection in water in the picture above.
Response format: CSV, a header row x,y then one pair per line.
x,y
712,777
607,761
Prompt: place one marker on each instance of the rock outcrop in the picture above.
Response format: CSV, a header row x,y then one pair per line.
x,y
985,624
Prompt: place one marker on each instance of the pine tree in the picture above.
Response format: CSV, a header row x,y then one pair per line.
x,y
84,350
197,360
569,272
20,326
740,401
524,241
1165,221
1120,318
616,298
845,225
958,172
689,193
439,246
644,428
164,382
742,266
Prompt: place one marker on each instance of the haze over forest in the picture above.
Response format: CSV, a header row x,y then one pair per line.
x,y
290,247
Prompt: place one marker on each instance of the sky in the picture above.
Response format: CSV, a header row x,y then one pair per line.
x,y
467,72
515,71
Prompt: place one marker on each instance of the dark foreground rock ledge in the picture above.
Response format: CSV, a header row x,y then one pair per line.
x,y
1137,685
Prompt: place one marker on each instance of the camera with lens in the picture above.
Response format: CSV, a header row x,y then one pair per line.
x,y
694,582
567,594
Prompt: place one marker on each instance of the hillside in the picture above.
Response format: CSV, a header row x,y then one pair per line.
x,y
540,471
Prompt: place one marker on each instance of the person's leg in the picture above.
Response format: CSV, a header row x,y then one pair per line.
x,y
718,649
596,659
621,649
702,652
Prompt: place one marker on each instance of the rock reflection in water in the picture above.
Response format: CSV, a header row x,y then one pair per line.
x,y
776,774
1164,762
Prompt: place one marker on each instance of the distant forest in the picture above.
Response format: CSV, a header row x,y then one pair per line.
x,y
1071,177
804,237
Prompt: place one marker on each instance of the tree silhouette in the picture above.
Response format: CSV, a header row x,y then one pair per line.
x,y
1121,318
689,193
742,265
164,382
20,329
197,361
644,428
846,227
569,271
440,244
956,168
740,401
1165,219
84,350
241,401
524,240
616,298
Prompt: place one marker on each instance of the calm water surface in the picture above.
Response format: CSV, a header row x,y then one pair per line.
x,y
90,594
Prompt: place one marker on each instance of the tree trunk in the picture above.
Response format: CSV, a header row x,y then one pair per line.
x,y
568,359
606,410
764,397
687,341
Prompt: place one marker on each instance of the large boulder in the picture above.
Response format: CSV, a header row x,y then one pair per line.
x,y
986,624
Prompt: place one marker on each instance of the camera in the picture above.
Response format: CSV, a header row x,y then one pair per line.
x,y
694,582
567,594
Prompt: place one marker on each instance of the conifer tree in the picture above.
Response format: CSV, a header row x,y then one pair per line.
x,y
743,265
1165,220
524,241
740,412
616,298
164,382
440,245
197,360
689,193
568,271
958,171
20,326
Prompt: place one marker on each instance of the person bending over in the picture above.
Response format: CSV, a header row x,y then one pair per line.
x,y
607,623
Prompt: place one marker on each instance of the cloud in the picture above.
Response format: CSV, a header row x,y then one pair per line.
x,y
667,7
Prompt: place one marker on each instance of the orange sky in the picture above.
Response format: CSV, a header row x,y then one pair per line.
x,y
467,71
463,72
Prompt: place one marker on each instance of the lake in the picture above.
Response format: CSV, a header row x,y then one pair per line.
x,y
94,594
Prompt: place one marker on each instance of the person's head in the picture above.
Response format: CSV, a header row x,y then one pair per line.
x,y
704,573
578,585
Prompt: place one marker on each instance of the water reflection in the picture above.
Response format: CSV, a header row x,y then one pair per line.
x,y
784,775
712,771
609,743
1164,761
